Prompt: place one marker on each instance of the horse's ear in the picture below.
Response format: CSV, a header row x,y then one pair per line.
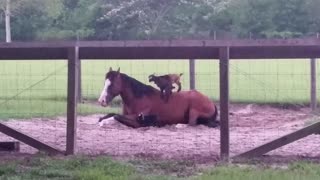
x,y
110,69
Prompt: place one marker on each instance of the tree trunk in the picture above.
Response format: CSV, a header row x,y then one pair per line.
x,y
7,17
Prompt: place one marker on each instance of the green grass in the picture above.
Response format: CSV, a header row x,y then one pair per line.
x,y
104,168
38,88
295,171
76,168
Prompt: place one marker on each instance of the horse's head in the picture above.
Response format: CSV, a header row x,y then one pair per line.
x,y
112,87
152,77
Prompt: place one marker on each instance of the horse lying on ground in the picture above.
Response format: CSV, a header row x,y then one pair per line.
x,y
165,83
186,107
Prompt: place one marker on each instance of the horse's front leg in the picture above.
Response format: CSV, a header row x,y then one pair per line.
x,y
107,116
125,110
128,120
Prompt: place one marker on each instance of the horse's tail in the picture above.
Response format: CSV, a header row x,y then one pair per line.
x,y
215,115
213,122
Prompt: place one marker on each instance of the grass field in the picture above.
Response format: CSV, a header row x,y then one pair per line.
x,y
103,168
38,88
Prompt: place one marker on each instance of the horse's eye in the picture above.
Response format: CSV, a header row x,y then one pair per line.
x,y
110,88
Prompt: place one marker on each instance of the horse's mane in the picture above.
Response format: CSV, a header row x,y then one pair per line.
x,y
138,88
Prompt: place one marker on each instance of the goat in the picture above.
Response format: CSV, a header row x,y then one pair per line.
x,y
165,83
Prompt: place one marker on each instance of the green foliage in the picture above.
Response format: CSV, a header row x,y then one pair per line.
x,y
161,19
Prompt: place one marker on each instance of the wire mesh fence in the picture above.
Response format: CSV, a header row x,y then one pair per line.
x,y
274,98
266,98
33,100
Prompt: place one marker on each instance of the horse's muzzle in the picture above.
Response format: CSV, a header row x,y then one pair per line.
x,y
103,103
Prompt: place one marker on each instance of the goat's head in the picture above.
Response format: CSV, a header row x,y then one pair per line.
x,y
152,77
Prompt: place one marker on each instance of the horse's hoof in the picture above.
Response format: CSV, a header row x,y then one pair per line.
x,y
214,124
101,123
181,126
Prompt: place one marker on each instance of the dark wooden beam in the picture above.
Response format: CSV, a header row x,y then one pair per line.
x,y
175,49
192,74
33,53
149,53
10,146
284,140
161,53
37,44
313,84
167,43
73,70
28,140
224,103
79,88
275,52
203,43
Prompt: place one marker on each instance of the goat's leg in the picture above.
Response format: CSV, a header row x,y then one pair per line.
x,y
167,96
163,93
179,86
168,93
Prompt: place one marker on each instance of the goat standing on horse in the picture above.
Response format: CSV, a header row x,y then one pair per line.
x,y
165,83
142,105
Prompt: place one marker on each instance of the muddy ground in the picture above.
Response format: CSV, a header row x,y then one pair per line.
x,y
250,126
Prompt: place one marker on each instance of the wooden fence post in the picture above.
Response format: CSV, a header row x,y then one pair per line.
x,y
79,88
313,88
73,63
224,103
192,74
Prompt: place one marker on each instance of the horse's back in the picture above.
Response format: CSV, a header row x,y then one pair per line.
x,y
198,100
176,110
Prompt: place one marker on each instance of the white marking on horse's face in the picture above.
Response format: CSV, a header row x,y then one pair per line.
x,y
109,121
104,93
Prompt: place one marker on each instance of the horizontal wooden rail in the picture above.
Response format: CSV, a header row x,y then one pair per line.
x,y
28,140
284,140
175,49
167,43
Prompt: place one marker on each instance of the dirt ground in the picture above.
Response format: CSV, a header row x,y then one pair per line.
x,y
250,126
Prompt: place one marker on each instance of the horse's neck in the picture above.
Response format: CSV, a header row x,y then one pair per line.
x,y
127,96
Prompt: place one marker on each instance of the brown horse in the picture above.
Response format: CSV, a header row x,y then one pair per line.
x,y
185,107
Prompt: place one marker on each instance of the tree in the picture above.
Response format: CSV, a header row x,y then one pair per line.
x,y
8,7
12,8
313,16
290,18
71,19
144,17
156,19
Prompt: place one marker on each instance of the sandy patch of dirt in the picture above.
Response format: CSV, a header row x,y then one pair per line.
x,y
250,126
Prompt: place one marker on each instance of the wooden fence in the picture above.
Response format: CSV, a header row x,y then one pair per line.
x,y
222,50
